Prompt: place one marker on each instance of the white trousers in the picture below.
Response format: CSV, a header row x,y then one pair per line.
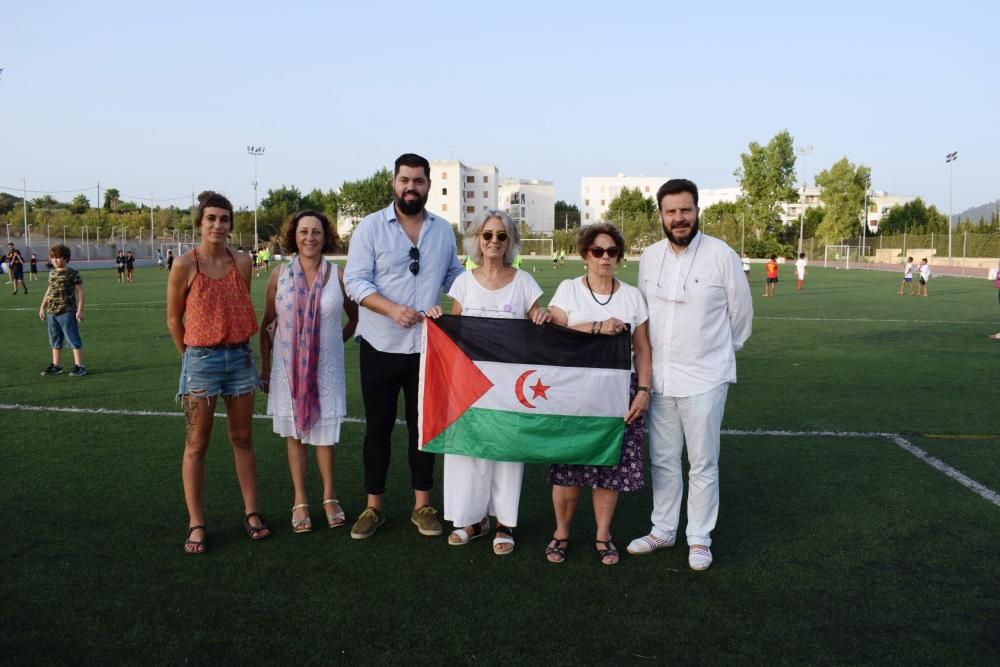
x,y
474,488
696,421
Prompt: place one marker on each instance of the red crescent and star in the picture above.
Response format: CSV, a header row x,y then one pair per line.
x,y
538,389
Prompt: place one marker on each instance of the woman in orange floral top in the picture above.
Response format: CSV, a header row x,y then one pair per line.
x,y
211,320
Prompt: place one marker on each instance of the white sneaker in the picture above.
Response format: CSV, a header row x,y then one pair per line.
x,y
699,557
649,543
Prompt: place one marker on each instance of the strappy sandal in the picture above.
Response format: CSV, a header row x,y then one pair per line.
x,y
504,535
256,532
460,537
337,518
558,549
195,546
301,525
609,550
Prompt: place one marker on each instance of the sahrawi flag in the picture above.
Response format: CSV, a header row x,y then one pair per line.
x,y
510,390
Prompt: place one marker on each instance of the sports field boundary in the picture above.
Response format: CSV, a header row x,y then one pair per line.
x,y
897,439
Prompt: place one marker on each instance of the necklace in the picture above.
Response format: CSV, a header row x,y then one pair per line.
x,y
594,296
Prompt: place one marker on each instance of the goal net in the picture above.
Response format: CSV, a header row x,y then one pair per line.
x,y
536,248
841,256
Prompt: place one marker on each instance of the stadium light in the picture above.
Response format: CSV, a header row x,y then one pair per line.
x,y
949,159
255,152
803,151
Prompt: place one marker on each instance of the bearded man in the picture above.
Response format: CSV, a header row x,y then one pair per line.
x,y
399,261
700,313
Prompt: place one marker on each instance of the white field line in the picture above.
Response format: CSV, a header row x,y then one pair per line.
x,y
870,320
983,491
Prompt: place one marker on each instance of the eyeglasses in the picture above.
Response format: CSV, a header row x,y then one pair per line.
x,y
598,252
488,236
415,256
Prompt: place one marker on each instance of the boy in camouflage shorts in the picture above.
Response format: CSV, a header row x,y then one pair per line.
x,y
62,306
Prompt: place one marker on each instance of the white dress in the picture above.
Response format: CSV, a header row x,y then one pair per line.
x,y
329,374
474,487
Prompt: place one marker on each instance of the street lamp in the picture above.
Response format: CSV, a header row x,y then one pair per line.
x,y
949,159
803,150
864,225
255,152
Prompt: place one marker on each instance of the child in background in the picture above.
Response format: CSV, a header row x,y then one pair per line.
x,y
800,270
62,307
34,267
746,266
907,276
925,277
772,275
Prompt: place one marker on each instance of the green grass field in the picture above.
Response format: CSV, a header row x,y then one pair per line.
x,y
834,544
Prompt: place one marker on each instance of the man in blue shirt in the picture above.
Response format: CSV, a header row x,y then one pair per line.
x,y
399,260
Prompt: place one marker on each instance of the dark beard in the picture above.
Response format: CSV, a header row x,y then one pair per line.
x,y
690,236
413,207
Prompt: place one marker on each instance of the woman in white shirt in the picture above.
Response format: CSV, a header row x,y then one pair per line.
x,y
475,488
600,304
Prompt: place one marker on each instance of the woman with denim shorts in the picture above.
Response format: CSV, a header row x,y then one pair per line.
x,y
211,319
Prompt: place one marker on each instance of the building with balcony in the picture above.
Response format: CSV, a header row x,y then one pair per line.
x,y
531,202
460,192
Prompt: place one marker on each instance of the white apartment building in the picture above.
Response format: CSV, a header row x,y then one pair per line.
x,y
532,202
880,203
459,192
596,193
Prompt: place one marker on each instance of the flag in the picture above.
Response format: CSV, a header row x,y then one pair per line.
x,y
510,390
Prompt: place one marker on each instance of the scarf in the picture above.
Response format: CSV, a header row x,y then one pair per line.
x,y
299,310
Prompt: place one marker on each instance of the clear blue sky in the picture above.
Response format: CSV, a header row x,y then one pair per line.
x,y
165,98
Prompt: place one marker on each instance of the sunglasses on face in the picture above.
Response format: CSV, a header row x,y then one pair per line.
x,y
415,256
488,236
598,252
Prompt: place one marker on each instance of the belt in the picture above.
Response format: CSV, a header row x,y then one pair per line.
x,y
234,346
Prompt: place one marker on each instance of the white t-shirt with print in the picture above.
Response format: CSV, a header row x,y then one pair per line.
x,y
573,297
513,301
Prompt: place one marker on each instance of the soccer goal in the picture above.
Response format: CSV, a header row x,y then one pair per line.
x,y
841,256
536,248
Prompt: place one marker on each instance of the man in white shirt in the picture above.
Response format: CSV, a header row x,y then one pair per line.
x,y
700,314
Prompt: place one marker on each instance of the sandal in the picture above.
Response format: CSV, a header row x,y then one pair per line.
x,y
556,548
337,518
609,551
459,536
301,525
195,546
503,540
256,532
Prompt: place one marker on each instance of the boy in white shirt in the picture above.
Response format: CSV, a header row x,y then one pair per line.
x,y
907,276
800,270
925,277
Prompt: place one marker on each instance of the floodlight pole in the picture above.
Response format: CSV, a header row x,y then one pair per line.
x,y
24,208
255,152
949,159
864,225
803,151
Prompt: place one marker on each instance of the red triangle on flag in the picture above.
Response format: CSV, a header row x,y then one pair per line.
x,y
450,382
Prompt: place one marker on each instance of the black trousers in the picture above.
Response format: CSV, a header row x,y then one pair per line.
x,y
383,374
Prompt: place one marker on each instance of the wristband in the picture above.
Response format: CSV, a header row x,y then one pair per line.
x,y
645,389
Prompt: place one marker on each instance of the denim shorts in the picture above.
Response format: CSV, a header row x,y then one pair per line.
x,y
210,371
63,327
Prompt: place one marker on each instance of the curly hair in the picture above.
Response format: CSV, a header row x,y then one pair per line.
x,y
211,199
585,238
291,226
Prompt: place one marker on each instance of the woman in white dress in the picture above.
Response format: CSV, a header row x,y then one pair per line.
x,y
475,488
302,358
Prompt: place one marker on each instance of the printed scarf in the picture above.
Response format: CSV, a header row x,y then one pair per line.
x,y
298,307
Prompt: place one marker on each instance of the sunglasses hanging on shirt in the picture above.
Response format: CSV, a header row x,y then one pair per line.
x,y
415,256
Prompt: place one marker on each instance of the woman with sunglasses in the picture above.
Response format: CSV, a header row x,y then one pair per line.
x,y
474,488
304,374
600,304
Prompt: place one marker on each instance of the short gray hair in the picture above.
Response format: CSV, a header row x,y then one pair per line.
x,y
470,240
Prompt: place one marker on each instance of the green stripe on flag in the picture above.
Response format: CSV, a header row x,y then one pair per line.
x,y
532,438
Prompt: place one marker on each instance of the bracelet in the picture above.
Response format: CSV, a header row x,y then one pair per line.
x,y
596,328
645,389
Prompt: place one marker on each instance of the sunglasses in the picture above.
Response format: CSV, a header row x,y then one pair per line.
x,y
415,256
598,252
488,236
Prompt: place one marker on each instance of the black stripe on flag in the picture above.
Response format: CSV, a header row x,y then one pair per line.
x,y
523,342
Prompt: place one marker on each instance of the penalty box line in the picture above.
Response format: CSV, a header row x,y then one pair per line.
x,y
981,490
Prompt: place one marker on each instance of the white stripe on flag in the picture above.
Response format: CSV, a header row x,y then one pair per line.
x,y
591,392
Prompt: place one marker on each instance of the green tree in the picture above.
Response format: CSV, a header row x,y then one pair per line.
x,y
635,215
111,196
913,217
8,202
727,221
79,204
767,177
360,198
46,201
567,216
275,208
843,197
327,203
